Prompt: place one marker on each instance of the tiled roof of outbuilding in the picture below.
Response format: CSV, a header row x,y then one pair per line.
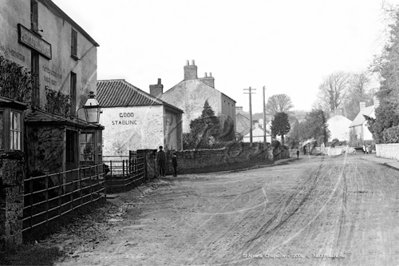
x,y
120,93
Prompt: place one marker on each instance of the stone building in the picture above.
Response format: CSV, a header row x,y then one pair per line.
x,y
62,57
191,93
42,122
134,119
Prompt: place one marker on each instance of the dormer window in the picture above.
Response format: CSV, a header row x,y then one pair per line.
x,y
74,44
34,16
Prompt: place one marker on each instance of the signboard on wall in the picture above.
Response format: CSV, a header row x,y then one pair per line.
x,y
33,41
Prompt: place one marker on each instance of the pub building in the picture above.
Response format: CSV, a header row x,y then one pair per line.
x,y
54,120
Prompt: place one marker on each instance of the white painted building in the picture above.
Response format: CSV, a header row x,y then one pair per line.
x,y
358,127
338,126
258,133
134,119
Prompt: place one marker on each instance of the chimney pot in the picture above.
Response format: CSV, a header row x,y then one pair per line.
x,y
159,81
188,62
210,74
193,62
206,74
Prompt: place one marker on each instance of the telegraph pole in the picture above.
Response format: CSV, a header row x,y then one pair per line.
x,y
264,115
250,92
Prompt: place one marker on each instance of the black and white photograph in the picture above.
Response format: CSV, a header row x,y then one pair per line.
x,y
199,132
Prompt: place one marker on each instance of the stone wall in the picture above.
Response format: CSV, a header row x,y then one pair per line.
x,y
12,174
390,151
191,160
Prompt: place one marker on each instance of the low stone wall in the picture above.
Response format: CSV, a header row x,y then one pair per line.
x,y
390,151
190,160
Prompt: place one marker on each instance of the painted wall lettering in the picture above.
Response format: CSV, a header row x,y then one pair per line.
x,y
52,72
50,81
126,115
124,122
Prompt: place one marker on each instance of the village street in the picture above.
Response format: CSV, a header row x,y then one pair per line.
x,y
314,211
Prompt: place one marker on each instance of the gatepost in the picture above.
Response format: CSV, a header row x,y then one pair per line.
x,y
150,167
12,175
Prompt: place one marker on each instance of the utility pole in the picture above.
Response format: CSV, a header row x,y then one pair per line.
x,y
264,115
250,111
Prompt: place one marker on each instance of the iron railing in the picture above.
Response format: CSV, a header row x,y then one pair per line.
x,y
51,196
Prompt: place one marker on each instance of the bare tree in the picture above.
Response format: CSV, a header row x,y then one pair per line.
x,y
278,103
334,88
359,91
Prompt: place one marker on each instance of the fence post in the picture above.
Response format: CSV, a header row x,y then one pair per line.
x,y
123,175
60,196
111,176
80,187
46,197
31,202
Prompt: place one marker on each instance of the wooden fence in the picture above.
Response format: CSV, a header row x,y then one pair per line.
x,y
52,196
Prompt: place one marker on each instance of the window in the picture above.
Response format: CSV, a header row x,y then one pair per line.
x,y
72,94
74,44
87,147
34,16
15,130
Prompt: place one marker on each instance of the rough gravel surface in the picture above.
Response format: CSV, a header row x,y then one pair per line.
x,y
312,211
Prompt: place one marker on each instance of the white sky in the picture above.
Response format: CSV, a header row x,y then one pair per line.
x,y
286,45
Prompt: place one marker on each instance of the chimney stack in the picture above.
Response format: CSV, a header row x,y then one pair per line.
x,y
157,89
208,80
362,105
190,71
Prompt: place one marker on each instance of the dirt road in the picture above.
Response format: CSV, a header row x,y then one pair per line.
x,y
314,211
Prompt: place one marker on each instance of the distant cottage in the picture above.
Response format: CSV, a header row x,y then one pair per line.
x,y
191,94
359,127
134,119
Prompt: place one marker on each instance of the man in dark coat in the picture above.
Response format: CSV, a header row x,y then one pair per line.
x,y
161,159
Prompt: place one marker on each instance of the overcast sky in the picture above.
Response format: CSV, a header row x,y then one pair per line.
x,y
289,46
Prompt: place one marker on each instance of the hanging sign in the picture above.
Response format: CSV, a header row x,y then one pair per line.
x,y
28,38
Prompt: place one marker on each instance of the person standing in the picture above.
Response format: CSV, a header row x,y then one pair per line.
x,y
161,159
297,152
174,163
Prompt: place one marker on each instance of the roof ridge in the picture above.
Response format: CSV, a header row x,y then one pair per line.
x,y
142,92
108,80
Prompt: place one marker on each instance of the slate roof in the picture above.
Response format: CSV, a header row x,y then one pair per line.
x,y
359,119
120,93
6,102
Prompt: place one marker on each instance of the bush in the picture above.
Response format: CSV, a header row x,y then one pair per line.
x,y
391,135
